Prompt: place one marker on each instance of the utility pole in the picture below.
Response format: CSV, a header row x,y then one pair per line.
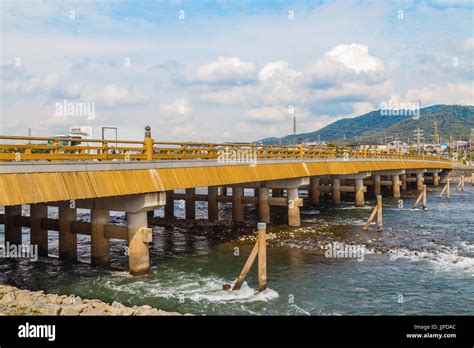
x,y
294,122
436,135
29,135
419,135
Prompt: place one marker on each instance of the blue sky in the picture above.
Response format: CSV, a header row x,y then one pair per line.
x,y
228,70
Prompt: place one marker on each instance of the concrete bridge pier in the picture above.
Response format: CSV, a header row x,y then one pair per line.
x,y
403,178
136,232
359,187
359,192
169,206
67,238
314,191
419,182
38,235
293,201
190,203
396,186
100,245
212,204
237,207
336,191
12,231
139,235
293,207
435,179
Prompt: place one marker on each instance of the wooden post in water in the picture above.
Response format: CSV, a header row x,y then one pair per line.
x,y
262,256
424,198
472,179
258,249
376,211
421,197
462,183
446,189
379,213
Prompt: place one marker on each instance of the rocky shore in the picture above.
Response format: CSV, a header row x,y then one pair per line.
x,y
14,301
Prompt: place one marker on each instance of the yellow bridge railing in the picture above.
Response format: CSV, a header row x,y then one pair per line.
x,y
18,148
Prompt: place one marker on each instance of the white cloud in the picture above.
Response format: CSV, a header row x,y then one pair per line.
x,y
355,57
112,95
31,84
460,93
345,63
176,112
469,44
268,114
226,70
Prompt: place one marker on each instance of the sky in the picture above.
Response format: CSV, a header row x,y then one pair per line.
x,y
218,71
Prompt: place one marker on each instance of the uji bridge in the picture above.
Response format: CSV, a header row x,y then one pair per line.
x,y
137,177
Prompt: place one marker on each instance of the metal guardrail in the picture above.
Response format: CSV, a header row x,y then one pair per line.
x,y
18,148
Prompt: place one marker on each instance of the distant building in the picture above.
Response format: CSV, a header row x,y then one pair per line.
x,y
397,146
367,145
431,149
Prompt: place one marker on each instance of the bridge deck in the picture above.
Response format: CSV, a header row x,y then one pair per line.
x,y
37,182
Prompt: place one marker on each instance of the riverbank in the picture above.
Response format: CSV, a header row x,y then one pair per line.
x,y
15,301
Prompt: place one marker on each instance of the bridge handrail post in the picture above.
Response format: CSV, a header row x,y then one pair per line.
x,y
148,144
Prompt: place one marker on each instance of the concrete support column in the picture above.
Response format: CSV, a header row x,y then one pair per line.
x,y
38,236
396,186
403,178
212,204
12,232
314,190
263,205
67,239
377,185
293,207
435,179
237,208
336,191
169,205
138,255
359,192
419,182
100,246
190,209
276,192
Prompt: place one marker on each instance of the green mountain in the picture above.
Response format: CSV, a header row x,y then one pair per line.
x,y
453,122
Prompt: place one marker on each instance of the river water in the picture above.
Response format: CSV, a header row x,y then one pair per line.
x,y
422,263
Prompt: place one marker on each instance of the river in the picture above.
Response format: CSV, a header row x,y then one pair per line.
x,y
422,263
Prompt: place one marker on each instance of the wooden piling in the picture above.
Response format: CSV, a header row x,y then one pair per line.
x,y
262,256
371,217
247,267
258,249
424,198
446,189
421,197
379,213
